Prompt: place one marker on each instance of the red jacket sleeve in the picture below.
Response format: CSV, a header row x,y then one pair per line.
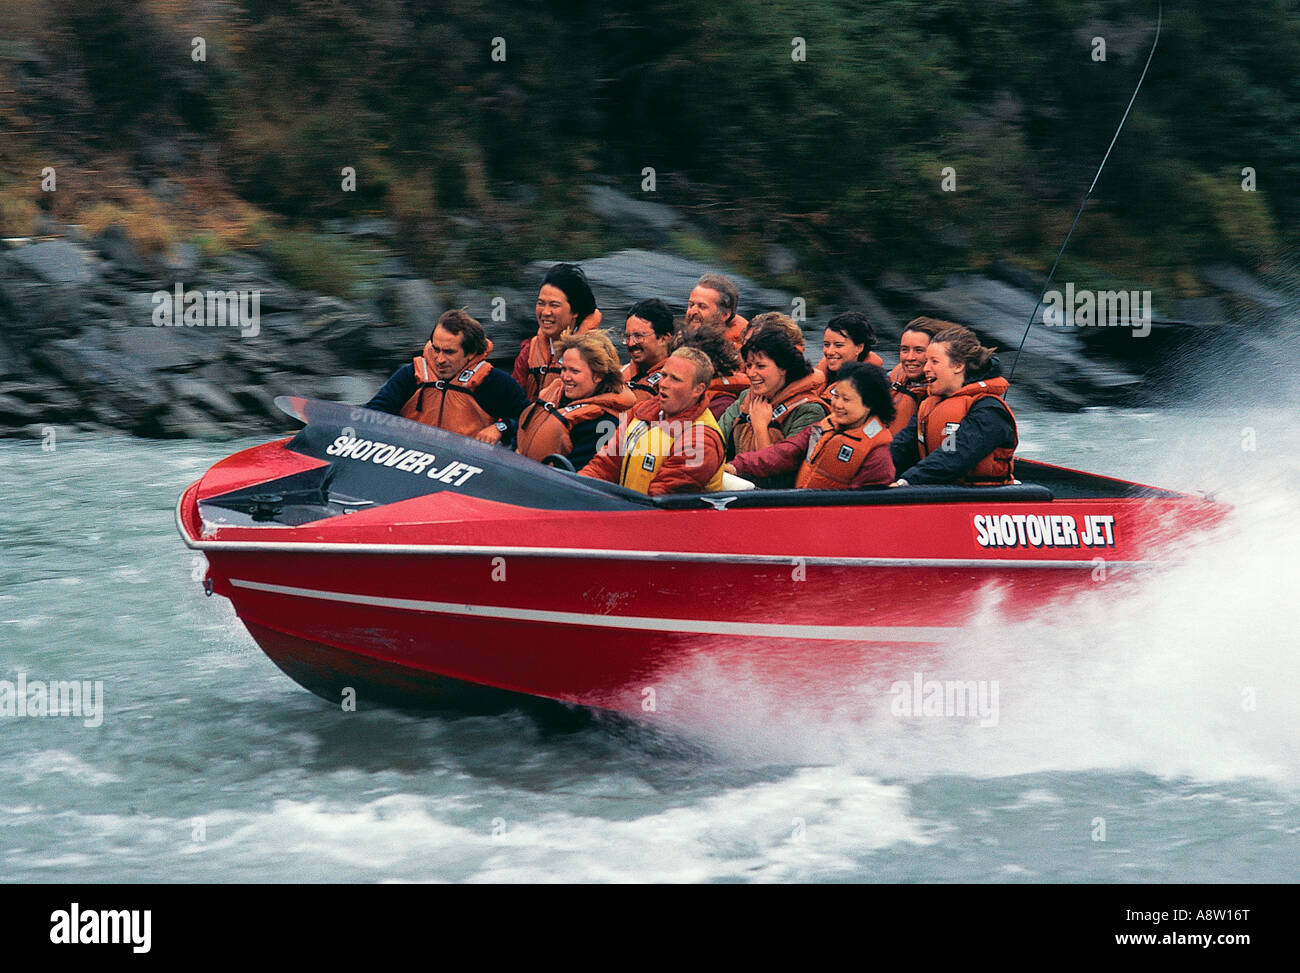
x,y
690,469
783,457
606,464
877,468
520,371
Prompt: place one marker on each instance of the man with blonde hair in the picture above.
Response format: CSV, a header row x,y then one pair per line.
x,y
669,443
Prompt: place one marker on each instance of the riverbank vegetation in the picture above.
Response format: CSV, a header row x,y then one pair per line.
x,y
825,127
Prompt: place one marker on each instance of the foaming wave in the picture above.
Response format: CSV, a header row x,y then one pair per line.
x,y
1184,671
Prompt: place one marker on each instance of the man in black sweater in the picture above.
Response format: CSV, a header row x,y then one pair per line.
x,y
453,386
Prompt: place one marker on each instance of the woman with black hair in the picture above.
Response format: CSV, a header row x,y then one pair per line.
x,y
565,305
846,450
783,397
848,337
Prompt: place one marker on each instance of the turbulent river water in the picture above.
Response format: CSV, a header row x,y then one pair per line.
x,y
1146,732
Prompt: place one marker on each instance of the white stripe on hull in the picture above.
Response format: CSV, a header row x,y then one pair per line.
x,y
839,633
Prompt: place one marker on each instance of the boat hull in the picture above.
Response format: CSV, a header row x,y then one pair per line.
x,y
531,583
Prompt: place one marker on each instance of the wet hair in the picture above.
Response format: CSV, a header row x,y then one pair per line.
x,y
597,350
776,344
658,313
854,326
964,348
728,293
703,367
779,321
872,385
473,340
929,326
712,341
573,282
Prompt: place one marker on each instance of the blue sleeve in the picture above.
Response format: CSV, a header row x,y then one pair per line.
x,y
588,437
502,399
396,392
904,449
986,427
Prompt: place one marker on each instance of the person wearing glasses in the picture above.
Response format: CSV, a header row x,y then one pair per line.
x,y
648,335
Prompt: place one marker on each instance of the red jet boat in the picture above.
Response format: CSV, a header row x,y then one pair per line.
x,y
401,562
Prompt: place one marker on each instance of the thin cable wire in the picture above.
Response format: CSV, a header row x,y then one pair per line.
x,y
1160,16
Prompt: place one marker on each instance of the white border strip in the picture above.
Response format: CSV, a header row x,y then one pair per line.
x,y
839,633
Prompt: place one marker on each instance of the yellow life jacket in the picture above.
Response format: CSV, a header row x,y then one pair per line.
x,y
647,444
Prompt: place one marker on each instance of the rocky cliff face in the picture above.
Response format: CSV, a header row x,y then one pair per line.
x,y
88,338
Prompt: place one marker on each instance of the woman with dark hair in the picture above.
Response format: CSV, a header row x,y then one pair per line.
x,y
729,378
848,337
565,305
846,450
783,397
582,406
907,378
963,432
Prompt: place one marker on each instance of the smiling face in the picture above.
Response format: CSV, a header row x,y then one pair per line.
x,y
576,377
554,316
765,376
944,376
911,353
678,390
839,349
644,348
848,411
704,306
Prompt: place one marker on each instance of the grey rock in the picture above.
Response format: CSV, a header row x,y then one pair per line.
x,y
55,261
15,413
206,397
780,261
166,190
372,228
628,213
116,246
169,349
256,400
1054,365
1200,311
620,279
413,305
183,259
1236,281
161,153
182,421
285,326
352,389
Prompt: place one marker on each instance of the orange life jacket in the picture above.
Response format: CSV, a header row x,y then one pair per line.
x,y
907,398
835,456
795,394
736,329
451,404
938,418
732,384
543,366
544,425
643,386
